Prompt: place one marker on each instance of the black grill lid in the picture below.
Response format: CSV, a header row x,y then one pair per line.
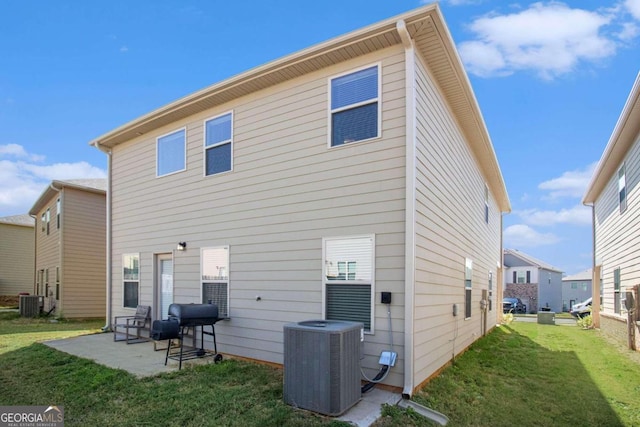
x,y
194,314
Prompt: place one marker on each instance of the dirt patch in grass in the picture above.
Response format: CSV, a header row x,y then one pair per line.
x,y
9,301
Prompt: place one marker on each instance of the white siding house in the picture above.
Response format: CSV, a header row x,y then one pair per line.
x,y
306,187
537,283
614,195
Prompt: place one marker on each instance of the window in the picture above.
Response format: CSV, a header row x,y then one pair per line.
x,y
468,274
574,285
40,283
131,279
622,189
58,210
171,153
616,290
355,106
349,279
44,221
48,219
57,283
218,144
522,276
215,278
486,204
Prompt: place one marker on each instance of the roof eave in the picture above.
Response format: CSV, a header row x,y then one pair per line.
x,y
622,138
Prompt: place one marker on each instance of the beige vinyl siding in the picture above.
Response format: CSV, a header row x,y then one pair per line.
x,y
618,235
16,259
450,226
83,288
287,191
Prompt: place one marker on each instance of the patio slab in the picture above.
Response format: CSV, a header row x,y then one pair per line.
x,y
142,361
139,359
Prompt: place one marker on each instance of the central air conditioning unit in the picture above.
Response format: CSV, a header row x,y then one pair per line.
x,y
322,365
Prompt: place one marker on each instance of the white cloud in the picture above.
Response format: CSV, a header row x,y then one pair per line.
x,y
18,151
523,236
124,49
577,215
22,180
569,184
549,38
633,6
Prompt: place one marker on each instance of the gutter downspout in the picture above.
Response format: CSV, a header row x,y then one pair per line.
x,y
595,272
410,205
109,308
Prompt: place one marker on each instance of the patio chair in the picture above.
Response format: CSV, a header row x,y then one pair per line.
x,y
126,325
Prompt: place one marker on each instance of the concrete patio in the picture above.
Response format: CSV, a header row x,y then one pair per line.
x,y
142,361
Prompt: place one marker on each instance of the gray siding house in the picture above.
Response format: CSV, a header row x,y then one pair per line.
x,y
16,254
536,283
70,252
614,195
576,288
306,187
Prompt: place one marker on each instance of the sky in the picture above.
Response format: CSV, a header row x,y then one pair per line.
x,y
550,77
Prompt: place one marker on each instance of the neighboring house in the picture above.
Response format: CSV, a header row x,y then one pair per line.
x,y
304,188
16,255
576,288
70,253
536,283
614,195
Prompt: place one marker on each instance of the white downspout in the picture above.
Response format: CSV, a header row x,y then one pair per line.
x,y
410,206
107,325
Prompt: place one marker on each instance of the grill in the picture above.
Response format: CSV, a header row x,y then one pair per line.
x,y
182,318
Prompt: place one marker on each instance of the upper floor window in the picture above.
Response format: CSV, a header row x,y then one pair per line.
x,y
486,204
48,218
218,144
622,189
355,106
171,153
58,211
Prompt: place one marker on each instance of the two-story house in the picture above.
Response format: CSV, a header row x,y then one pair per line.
x,y
614,195
70,252
576,288
304,188
16,255
536,283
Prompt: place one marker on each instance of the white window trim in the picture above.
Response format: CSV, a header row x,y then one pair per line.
x,y
205,147
228,281
124,280
468,264
373,276
622,169
330,111
184,128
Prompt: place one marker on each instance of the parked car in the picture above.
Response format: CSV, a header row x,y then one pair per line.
x,y
581,309
513,305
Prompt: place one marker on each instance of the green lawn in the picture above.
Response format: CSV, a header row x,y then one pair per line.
x,y
527,374
524,374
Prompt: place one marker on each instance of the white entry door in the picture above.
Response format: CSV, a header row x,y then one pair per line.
x,y
164,284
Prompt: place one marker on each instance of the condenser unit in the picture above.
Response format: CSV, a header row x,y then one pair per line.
x,y
322,365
